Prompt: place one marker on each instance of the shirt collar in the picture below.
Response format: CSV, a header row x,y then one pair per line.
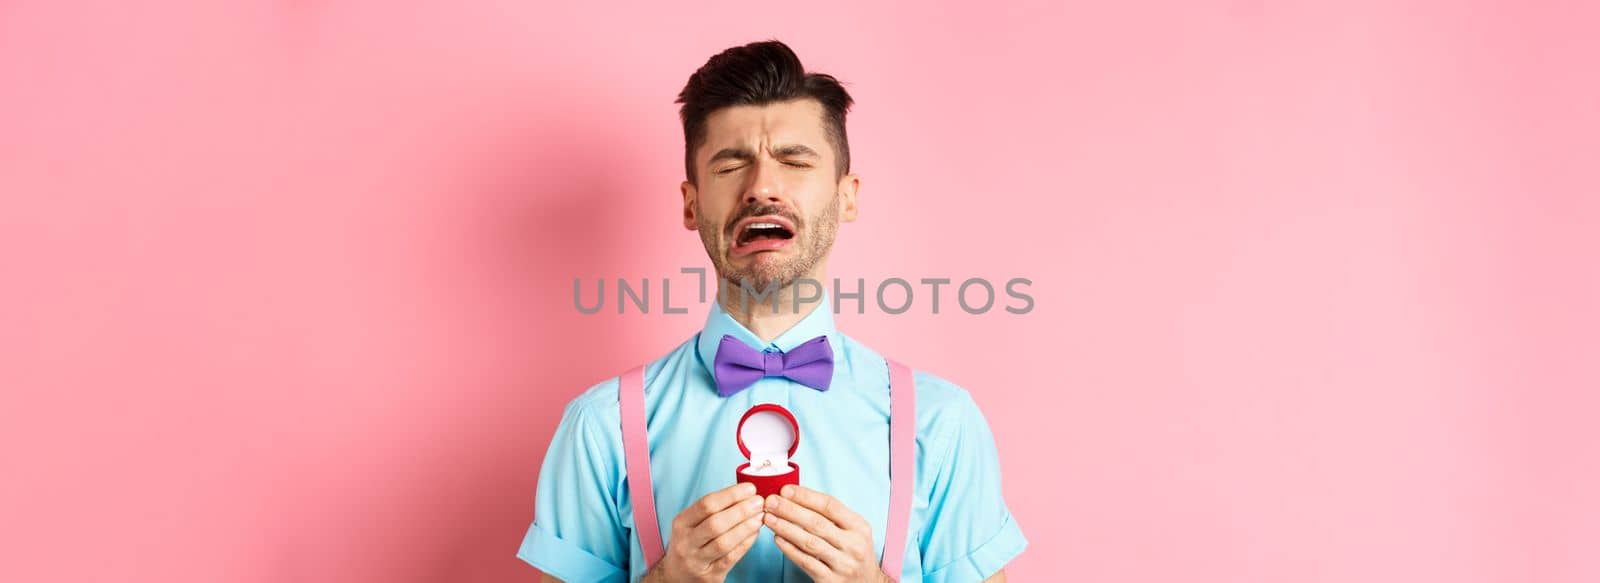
x,y
818,323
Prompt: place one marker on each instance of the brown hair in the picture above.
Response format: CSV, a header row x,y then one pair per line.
x,y
760,73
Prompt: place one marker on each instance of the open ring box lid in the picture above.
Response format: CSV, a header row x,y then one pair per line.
x,y
769,435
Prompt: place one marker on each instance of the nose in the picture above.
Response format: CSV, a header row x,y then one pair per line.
x,y
764,186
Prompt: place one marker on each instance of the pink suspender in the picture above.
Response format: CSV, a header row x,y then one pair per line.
x,y
902,465
636,447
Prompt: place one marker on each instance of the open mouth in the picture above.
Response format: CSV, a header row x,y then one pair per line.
x,y
762,231
762,234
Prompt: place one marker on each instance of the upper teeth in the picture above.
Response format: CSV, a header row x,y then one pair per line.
x,y
765,226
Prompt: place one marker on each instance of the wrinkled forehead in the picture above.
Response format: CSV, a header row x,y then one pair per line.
x,y
761,127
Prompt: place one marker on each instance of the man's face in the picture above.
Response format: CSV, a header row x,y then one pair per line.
x,y
768,203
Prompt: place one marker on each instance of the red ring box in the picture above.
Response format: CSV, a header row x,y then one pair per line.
x,y
769,429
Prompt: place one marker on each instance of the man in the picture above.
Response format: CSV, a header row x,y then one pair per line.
x,y
768,182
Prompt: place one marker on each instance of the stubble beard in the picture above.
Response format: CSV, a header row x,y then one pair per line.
x,y
817,234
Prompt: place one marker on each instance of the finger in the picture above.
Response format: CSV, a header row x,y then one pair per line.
x,y
807,519
811,565
808,543
727,549
727,561
712,503
827,506
720,523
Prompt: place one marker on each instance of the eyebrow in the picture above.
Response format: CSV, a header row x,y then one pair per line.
x,y
743,153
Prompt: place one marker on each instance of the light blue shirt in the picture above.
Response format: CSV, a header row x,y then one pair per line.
x,y
583,529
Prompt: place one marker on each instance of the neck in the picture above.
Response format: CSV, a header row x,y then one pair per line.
x,y
771,315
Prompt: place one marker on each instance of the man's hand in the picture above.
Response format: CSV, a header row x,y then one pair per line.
x,y
828,541
710,536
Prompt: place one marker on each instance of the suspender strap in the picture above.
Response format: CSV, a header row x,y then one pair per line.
x,y
636,448
902,465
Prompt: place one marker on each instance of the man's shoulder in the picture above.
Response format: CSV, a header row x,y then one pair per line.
x,y
938,398
944,408
603,396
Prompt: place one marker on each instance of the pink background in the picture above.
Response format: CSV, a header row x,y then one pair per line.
x,y
287,285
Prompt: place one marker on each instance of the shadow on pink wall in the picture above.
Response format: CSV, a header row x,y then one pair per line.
x,y
452,493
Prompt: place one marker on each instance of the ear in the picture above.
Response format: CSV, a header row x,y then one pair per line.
x,y
690,194
848,185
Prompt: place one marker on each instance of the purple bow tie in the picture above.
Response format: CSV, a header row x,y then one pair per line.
x,y
738,365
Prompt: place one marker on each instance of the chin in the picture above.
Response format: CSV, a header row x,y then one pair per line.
x,y
759,278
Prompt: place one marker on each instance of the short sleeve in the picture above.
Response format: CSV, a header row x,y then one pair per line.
x,y
970,534
577,534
